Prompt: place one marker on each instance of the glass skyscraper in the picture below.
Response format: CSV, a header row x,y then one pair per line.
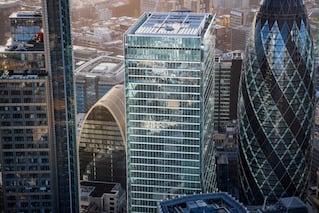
x,y
169,61
276,113
37,129
58,48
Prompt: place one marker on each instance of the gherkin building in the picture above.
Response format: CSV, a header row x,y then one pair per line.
x,y
276,107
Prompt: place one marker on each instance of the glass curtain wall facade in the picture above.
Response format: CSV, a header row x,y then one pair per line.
x,y
25,145
25,119
58,48
38,144
102,140
276,114
169,60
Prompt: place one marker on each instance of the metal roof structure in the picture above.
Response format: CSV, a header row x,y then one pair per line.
x,y
108,69
219,202
173,24
26,15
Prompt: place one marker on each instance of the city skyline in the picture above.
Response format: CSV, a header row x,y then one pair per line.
x,y
56,76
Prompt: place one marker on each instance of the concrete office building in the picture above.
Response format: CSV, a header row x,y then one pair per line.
x,y
95,78
226,146
97,197
169,63
230,4
239,37
237,18
228,68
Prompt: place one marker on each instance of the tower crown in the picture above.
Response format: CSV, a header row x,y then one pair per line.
x,y
282,9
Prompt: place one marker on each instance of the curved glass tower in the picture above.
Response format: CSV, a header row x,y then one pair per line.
x,y
102,140
276,103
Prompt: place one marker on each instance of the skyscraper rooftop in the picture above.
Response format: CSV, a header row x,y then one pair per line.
x,y
173,24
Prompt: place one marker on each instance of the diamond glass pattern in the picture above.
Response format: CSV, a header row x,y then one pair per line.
x,y
276,103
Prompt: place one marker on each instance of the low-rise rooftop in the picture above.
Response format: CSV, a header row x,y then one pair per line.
x,y
212,202
107,69
293,203
26,14
97,189
8,3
